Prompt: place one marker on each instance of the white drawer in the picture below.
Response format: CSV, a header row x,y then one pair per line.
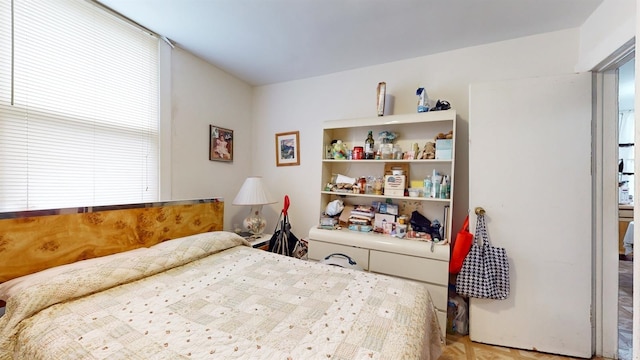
x,y
410,267
318,250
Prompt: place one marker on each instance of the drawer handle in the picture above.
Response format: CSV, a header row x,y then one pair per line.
x,y
351,261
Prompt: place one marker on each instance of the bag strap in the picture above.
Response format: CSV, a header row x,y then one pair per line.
x,y
481,231
465,225
280,218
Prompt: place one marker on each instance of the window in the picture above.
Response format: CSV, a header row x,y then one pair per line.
x,y
626,119
78,107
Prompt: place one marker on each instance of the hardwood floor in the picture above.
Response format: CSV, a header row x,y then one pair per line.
x,y
625,309
459,347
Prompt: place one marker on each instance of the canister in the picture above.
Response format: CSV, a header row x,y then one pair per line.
x,y
358,153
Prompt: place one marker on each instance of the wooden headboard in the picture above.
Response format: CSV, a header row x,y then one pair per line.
x,y
36,240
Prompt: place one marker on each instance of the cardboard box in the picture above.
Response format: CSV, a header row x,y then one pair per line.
x,y
344,215
394,185
444,149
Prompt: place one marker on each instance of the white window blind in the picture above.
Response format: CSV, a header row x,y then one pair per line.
x,y
78,107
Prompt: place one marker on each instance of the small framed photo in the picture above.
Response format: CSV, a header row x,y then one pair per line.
x,y
288,148
220,144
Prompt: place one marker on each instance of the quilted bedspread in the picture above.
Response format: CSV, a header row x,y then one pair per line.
x,y
209,296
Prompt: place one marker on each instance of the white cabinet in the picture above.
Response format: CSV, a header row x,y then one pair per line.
x,y
413,259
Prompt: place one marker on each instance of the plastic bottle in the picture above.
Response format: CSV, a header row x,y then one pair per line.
x,y
436,179
423,100
448,188
427,187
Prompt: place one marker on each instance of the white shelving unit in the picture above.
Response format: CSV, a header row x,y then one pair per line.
x,y
413,259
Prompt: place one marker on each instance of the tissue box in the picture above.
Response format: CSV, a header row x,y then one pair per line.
x,y
391,209
394,185
444,149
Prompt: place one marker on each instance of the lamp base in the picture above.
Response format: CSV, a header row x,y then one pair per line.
x,y
255,223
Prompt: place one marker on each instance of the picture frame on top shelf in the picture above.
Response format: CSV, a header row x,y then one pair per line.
x,y
288,148
220,144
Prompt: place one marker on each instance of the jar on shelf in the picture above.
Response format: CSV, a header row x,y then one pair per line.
x,y
386,151
358,153
369,186
397,152
362,184
378,185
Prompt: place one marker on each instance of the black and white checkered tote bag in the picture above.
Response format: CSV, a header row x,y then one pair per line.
x,y
485,270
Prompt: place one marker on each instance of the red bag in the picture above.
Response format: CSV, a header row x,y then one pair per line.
x,y
461,247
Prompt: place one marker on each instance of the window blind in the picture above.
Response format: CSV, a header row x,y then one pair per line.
x,y
78,107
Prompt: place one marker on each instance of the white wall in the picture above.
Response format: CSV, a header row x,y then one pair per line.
x,y
204,95
610,26
303,105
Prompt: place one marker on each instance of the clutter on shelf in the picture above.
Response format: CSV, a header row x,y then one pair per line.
x,y
436,186
425,104
440,147
381,217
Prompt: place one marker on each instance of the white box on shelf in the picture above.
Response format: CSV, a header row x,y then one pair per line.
x,y
381,219
444,149
394,185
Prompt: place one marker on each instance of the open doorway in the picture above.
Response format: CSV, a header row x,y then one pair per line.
x,y
626,192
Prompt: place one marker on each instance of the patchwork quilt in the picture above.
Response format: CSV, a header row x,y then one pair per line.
x,y
211,296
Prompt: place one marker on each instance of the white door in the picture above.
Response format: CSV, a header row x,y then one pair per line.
x,y
530,169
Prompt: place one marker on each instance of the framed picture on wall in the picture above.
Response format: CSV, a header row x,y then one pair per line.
x,y
220,144
288,148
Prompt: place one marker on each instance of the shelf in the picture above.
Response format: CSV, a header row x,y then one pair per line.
x,y
396,120
417,198
381,161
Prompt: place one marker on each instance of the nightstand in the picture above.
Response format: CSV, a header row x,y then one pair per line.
x,y
261,242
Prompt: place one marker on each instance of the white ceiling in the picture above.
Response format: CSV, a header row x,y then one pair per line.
x,y
270,41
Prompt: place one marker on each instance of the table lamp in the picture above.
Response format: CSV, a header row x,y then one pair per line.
x,y
253,193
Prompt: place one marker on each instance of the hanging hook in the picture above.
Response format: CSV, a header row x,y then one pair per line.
x,y
479,211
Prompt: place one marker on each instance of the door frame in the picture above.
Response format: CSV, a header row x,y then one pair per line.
x,y
605,192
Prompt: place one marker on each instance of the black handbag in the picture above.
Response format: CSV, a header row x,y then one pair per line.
x,y
283,241
419,222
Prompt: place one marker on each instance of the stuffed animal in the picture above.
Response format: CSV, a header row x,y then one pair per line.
x,y
429,151
448,135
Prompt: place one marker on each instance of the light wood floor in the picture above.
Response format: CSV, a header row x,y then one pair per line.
x,y
459,347
625,309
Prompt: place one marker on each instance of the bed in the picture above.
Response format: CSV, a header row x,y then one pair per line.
x,y
178,287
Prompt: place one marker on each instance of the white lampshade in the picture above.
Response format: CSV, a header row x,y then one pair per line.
x,y
253,193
